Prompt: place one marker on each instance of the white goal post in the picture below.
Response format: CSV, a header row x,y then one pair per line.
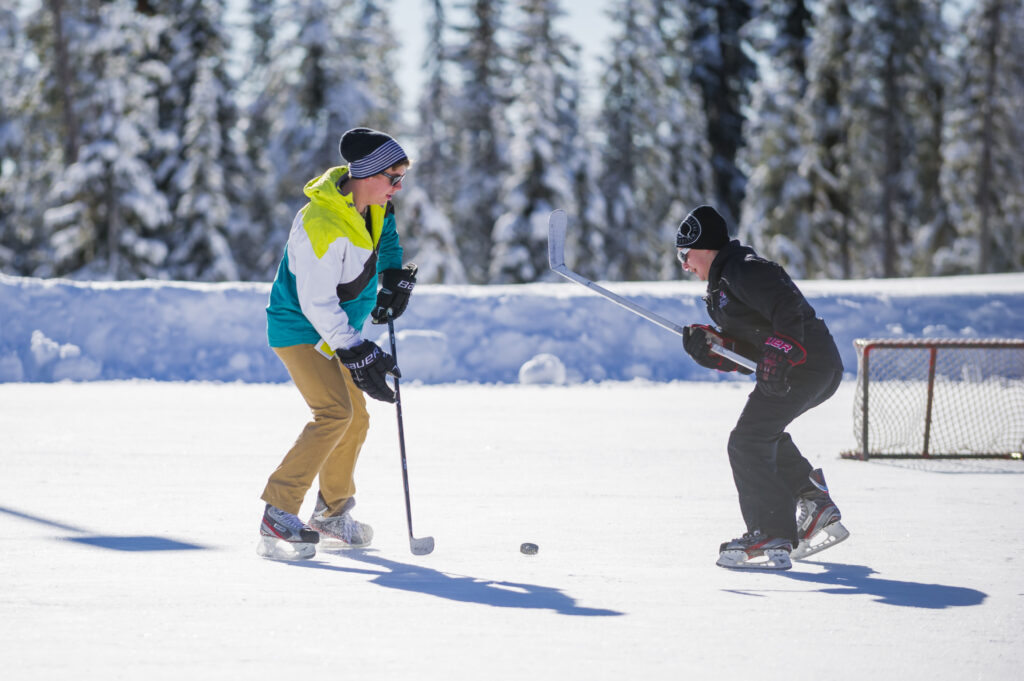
x,y
939,398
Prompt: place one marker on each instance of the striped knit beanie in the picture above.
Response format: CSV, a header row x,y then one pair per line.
x,y
368,152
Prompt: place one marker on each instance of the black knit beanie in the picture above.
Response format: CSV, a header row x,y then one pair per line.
x,y
703,229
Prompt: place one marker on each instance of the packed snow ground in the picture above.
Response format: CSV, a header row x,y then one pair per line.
x,y
129,508
129,514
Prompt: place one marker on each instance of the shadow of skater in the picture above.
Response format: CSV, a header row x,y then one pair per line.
x,y
419,579
858,580
134,543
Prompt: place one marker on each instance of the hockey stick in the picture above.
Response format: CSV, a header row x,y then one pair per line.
x,y
423,545
557,228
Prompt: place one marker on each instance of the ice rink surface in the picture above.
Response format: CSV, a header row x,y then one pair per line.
x,y
129,515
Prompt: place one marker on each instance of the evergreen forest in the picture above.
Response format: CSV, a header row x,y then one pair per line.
x,y
846,139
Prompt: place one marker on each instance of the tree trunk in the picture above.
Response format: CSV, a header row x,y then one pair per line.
x,y
890,177
64,83
984,193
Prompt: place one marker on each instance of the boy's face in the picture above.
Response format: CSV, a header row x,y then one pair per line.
x,y
697,260
384,185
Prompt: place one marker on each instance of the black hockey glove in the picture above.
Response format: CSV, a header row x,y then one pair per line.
x,y
369,366
697,340
395,288
779,354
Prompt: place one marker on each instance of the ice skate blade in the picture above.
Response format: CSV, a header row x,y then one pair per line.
x,y
772,559
273,548
421,546
833,534
334,544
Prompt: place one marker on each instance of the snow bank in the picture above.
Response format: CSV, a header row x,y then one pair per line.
x,y
52,330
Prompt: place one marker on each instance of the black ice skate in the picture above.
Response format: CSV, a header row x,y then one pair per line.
x,y
818,522
755,551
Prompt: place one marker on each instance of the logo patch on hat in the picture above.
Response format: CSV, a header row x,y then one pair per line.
x,y
689,231
703,229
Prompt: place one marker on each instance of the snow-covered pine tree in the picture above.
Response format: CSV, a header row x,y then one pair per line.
x,y
270,215
206,171
590,220
481,131
105,212
931,100
776,214
40,135
545,145
588,215
683,133
206,218
315,91
435,130
653,151
984,152
262,23
621,123
428,236
723,73
16,239
87,120
827,151
375,53
893,48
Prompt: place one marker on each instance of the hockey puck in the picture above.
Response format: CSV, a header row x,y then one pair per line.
x,y
528,548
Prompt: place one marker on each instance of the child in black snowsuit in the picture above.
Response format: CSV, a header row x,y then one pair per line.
x,y
761,314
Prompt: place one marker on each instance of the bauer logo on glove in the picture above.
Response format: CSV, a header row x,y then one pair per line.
x,y
778,344
395,288
369,366
779,355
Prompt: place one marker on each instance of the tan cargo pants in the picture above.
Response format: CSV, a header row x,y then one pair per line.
x,y
329,445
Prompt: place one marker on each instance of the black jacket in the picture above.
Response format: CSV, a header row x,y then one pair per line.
x,y
751,298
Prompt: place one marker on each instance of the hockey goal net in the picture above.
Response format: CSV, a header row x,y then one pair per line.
x,y
939,398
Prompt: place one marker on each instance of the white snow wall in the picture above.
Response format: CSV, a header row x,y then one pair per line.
x,y
53,330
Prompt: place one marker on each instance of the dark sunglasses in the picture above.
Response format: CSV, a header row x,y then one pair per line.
x,y
682,254
395,179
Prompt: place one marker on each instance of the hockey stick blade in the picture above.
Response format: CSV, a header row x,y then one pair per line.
x,y
556,260
421,546
557,229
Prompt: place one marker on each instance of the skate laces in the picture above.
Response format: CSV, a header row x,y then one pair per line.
x,y
292,522
342,526
352,528
758,542
750,538
804,506
815,506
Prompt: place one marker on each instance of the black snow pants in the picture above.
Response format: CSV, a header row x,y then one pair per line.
x,y
767,467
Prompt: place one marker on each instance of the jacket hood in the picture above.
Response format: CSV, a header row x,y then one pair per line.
x,y
328,208
324,188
